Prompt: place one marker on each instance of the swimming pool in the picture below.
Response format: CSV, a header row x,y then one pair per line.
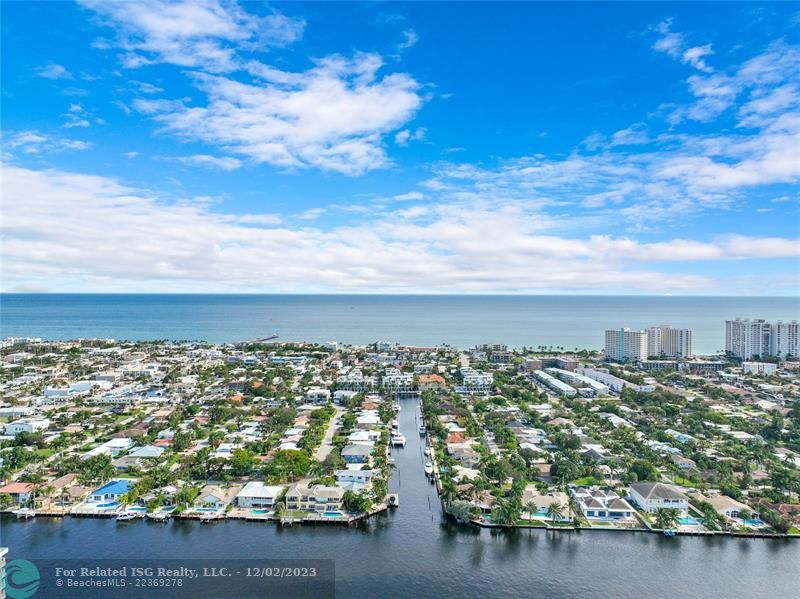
x,y
205,509
110,504
688,521
332,514
260,511
753,522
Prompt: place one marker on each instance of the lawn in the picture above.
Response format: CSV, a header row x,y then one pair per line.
x,y
44,453
588,481
684,482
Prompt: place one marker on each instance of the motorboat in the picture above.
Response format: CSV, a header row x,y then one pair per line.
x,y
127,516
399,439
422,430
396,407
428,468
395,425
24,512
428,453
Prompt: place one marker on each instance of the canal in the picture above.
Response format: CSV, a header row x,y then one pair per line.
x,y
413,552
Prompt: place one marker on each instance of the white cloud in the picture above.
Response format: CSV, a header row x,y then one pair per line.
x,y
330,117
411,196
404,137
35,142
146,88
82,232
192,33
311,214
694,56
410,39
670,42
674,44
53,71
225,163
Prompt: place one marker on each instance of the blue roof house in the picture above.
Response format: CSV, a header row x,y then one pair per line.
x,y
111,491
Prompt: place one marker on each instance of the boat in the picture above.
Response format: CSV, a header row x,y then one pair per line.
x,y
428,452
399,439
428,468
393,500
127,516
422,430
396,407
158,516
395,425
24,512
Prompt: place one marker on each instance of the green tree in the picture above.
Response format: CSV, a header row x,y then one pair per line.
x,y
666,518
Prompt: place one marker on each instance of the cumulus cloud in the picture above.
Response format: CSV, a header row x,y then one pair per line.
x,y
405,136
330,117
191,33
72,231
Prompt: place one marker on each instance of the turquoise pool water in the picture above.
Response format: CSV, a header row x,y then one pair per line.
x,y
110,504
205,509
753,522
332,514
688,521
260,511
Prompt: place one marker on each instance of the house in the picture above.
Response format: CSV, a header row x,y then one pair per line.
x,y
212,496
257,494
466,456
601,504
354,476
327,499
356,454
20,492
531,496
110,492
318,396
167,494
653,496
26,425
147,452
430,382
729,507
682,462
320,498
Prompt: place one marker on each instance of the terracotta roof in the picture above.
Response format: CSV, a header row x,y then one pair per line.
x,y
15,488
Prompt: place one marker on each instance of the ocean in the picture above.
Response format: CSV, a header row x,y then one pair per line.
x,y
462,321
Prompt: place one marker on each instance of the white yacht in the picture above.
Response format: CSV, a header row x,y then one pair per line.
x,y
428,468
422,430
399,439
24,512
127,516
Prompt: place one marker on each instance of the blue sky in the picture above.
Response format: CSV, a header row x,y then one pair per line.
x,y
416,147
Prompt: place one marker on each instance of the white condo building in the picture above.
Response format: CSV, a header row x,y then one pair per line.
x,y
746,338
666,341
785,339
626,345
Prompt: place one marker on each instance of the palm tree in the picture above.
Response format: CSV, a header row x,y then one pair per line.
x,y
666,518
531,508
448,492
554,511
